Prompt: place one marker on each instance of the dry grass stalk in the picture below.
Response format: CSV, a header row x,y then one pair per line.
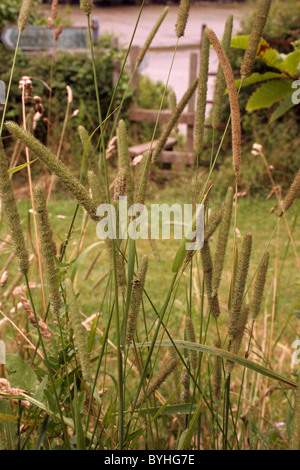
x,y
233,100
220,85
44,330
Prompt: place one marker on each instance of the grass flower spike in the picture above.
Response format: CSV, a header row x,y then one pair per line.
x,y
233,100
24,14
255,37
12,215
182,17
79,330
48,250
86,6
202,95
55,166
239,287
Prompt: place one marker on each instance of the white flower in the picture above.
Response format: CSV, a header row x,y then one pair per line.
x,y
257,147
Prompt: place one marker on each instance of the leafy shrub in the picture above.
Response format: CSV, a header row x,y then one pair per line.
x,y
73,69
280,139
9,12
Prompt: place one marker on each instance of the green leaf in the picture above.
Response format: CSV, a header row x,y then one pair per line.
x,y
283,108
240,42
265,52
20,373
226,355
257,78
39,394
11,171
182,409
291,63
268,94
